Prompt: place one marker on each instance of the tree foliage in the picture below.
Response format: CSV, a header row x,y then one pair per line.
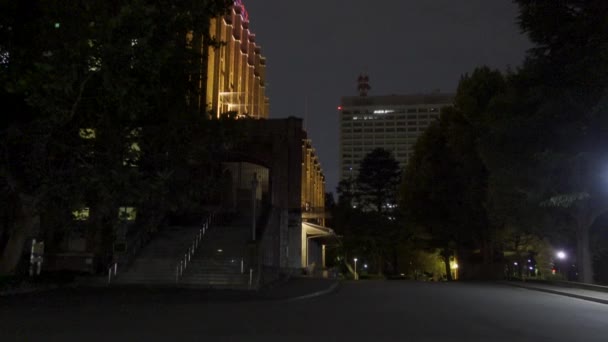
x,y
125,74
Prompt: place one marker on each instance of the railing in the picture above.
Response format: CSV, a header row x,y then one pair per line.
x,y
182,265
112,272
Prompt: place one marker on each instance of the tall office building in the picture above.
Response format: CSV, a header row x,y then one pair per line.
x,y
392,122
232,76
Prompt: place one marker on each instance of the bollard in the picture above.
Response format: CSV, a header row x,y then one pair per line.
x,y
109,275
115,268
242,266
176,274
250,277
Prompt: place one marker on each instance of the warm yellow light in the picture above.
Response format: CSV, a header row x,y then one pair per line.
x,y
87,133
81,214
127,213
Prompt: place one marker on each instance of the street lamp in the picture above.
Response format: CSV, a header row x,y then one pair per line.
x,y
561,255
356,276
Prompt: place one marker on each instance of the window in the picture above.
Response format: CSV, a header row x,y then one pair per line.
x,y
379,130
127,213
390,129
412,129
81,214
411,110
423,110
87,133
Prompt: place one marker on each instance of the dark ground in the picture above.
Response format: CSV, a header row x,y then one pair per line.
x,y
362,311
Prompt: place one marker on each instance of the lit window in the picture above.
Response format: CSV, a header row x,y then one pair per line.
x,y
127,213
134,42
81,214
87,133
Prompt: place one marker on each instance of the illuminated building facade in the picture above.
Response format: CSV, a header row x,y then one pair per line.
x,y
236,70
313,182
392,122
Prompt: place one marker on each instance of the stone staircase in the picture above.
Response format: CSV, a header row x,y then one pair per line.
x,y
217,262
156,264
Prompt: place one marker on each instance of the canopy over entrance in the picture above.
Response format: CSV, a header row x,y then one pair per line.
x,y
314,240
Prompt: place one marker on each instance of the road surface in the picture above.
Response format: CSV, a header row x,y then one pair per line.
x,y
358,311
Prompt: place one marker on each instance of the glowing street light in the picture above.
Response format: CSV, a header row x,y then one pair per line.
x,y
356,276
561,255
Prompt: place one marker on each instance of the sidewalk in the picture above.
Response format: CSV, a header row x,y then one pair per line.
x,y
300,288
598,294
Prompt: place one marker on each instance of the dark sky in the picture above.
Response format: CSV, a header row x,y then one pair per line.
x,y
317,48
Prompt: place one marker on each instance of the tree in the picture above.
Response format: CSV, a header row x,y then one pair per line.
x,y
553,116
378,181
122,71
444,187
366,213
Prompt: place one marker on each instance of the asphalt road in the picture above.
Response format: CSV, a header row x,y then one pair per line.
x,y
362,311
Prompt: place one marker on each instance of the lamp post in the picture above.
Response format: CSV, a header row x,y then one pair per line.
x,y
356,275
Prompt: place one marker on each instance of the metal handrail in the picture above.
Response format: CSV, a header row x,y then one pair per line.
x,y
112,271
183,262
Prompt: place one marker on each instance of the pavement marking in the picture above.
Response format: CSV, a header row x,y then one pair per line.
x,y
326,291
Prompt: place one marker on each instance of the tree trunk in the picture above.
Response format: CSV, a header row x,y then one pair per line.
x,y
583,253
26,222
446,260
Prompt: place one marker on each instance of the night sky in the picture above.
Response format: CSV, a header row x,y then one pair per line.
x,y
317,48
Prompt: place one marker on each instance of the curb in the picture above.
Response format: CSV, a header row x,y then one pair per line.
x,y
556,292
28,291
333,287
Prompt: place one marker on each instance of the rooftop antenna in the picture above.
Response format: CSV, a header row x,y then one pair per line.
x,y
363,84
